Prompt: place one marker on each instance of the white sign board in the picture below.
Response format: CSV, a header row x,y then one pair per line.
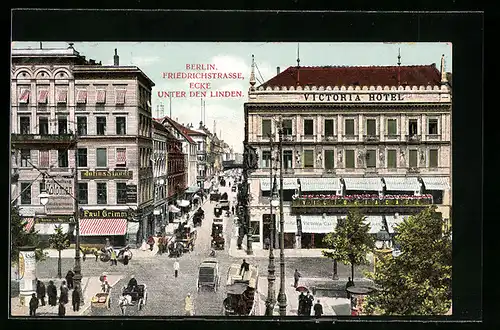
x,y
318,225
60,205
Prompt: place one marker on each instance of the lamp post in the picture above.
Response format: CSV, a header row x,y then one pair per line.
x,y
281,295
77,278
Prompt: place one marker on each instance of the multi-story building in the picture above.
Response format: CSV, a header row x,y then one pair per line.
x,y
176,176
200,138
382,131
160,174
58,97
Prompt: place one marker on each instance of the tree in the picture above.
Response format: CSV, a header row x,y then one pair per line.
x,y
418,281
20,237
351,242
59,241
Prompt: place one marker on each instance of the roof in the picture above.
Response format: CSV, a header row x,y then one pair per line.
x,y
107,69
183,130
413,75
159,126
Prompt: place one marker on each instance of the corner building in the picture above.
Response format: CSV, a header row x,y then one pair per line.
x,y
381,131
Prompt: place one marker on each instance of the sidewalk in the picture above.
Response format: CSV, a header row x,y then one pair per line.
x,y
90,286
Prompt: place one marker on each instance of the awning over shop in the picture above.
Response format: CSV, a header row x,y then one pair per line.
x,y
50,228
173,209
392,221
183,202
373,184
132,228
29,223
402,184
103,227
288,184
320,184
192,189
436,183
290,223
316,224
376,223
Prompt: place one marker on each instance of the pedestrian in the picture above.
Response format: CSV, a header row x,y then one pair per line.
x,y
40,291
113,257
318,309
309,304
267,243
188,305
33,304
96,254
151,242
302,300
52,293
69,279
296,277
75,299
232,209
64,293
125,258
176,268
62,309
245,267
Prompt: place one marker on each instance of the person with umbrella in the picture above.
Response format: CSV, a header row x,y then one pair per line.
x,y
302,300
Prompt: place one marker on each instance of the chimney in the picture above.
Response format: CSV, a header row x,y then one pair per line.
x,y
116,58
277,70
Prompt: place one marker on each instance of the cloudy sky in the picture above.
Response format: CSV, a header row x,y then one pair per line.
x,y
156,58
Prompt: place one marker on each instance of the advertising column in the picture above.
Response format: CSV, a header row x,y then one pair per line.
x,y
27,274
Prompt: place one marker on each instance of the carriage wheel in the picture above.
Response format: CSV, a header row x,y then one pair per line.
x,y
145,298
109,303
215,287
139,304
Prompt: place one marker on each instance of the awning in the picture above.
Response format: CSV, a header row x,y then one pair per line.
x,y
373,184
316,224
376,223
173,209
436,183
392,221
290,223
29,223
192,189
402,184
183,202
288,184
320,184
103,227
132,228
50,228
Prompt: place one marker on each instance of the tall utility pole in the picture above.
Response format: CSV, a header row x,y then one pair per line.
x,y
281,295
78,266
271,268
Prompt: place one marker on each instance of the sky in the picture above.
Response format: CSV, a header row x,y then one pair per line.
x,y
157,58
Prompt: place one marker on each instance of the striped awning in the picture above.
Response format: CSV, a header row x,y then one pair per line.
x,y
402,184
316,224
392,221
436,183
376,223
50,228
103,227
373,184
320,184
288,184
29,223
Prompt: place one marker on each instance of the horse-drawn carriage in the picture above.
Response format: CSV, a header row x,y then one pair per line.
x,y
101,301
241,290
198,217
133,296
218,235
183,241
215,196
122,254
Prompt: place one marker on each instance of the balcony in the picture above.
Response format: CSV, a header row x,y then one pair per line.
x,y
263,138
412,170
308,138
53,139
392,137
371,138
289,138
350,137
413,138
433,137
328,138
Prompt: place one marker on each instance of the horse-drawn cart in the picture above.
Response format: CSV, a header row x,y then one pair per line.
x,y
218,240
137,296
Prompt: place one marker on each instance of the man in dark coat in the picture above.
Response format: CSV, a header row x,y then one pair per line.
x,y
302,301
309,304
33,304
318,309
40,291
75,299
296,277
69,279
52,293
62,309
64,293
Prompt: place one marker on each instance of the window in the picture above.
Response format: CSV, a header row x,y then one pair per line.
x,y
43,126
81,123
120,97
371,158
266,127
62,96
412,127
25,158
308,127
287,127
42,96
101,157
101,96
287,159
371,127
392,127
82,157
308,158
25,193
43,158
433,158
102,193
266,158
413,159
121,156
329,159
121,193
101,125
62,126
42,186
349,158
391,158
83,193
62,158
81,96
329,127
433,127
200,148
24,96
349,127
121,126
24,125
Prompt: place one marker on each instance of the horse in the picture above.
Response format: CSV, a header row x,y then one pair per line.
x,y
124,301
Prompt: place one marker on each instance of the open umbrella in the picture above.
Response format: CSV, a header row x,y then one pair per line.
x,y
302,289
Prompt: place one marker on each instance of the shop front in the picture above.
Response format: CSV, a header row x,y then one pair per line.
x,y
46,225
97,225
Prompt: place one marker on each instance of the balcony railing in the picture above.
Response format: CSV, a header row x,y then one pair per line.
x,y
43,138
350,137
392,137
263,137
289,138
413,138
433,137
413,170
329,138
371,138
308,137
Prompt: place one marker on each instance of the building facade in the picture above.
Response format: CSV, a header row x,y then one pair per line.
x,y
176,175
160,175
350,133
200,138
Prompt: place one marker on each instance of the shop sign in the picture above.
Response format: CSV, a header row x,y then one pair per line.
x,y
318,225
60,204
341,202
106,214
54,219
64,188
132,193
116,174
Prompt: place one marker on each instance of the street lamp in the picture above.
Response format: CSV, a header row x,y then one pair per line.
x,y
44,198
